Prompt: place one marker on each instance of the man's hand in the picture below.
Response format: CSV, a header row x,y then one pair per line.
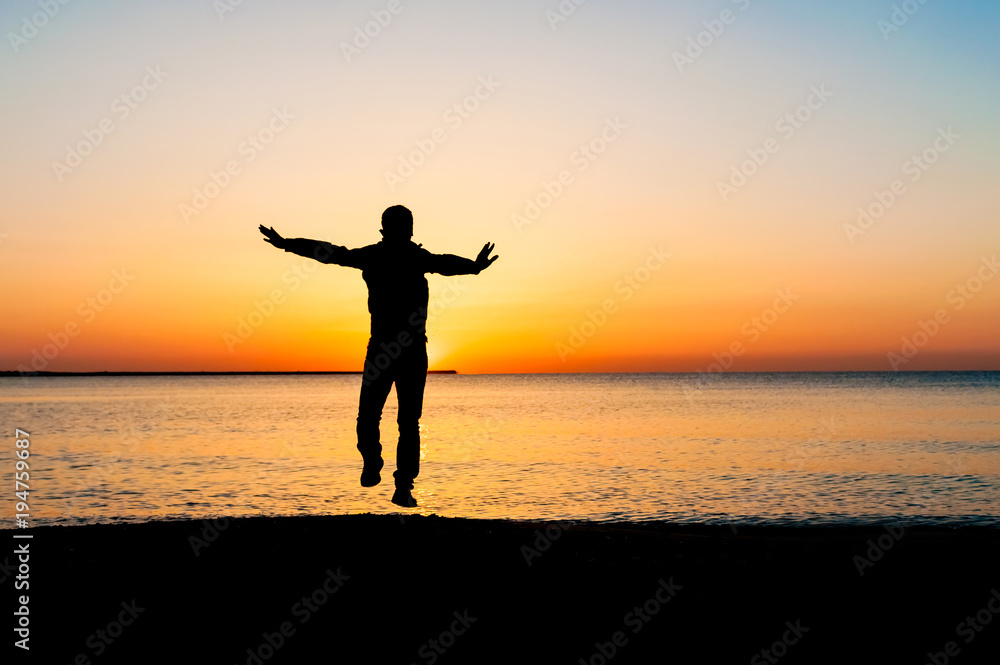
x,y
483,261
272,236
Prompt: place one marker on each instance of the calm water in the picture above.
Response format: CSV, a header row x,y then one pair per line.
x,y
740,448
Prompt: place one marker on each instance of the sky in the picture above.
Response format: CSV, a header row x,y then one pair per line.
x,y
671,186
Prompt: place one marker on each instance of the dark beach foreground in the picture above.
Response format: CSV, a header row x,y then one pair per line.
x,y
390,589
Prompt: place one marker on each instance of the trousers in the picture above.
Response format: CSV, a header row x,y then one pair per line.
x,y
388,363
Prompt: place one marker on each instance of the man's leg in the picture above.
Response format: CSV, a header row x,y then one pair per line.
x,y
375,386
410,380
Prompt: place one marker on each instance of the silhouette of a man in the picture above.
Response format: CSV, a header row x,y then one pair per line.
x,y
394,271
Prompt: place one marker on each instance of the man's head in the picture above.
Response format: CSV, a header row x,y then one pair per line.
x,y
397,223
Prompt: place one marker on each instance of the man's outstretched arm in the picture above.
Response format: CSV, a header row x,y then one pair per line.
x,y
320,250
449,264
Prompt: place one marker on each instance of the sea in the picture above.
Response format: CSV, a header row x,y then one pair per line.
x,y
800,449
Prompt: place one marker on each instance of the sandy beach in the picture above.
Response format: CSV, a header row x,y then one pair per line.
x,y
393,589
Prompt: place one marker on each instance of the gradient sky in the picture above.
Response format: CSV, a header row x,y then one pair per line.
x,y
888,96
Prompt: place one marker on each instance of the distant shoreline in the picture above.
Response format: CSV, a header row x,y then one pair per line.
x,y
15,373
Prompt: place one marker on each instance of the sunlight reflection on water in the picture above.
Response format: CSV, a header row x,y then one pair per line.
x,y
770,448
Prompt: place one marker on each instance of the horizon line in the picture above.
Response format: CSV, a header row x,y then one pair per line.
x,y
43,374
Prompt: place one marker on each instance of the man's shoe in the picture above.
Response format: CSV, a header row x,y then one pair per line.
x,y
370,476
402,497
